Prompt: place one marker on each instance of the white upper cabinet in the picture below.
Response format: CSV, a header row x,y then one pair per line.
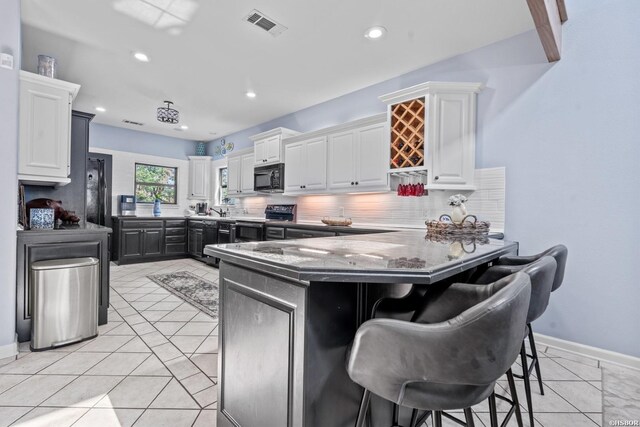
x,y
246,179
268,147
433,131
240,173
234,173
372,156
342,161
305,166
199,177
45,129
358,157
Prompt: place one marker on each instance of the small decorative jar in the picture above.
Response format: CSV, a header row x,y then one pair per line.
x,y
47,66
459,210
156,208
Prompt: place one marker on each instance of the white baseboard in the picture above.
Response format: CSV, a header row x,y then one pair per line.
x,y
9,350
590,352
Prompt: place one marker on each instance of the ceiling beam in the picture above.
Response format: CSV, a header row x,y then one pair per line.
x,y
548,16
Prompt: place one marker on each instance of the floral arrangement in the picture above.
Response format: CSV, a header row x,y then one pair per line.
x,y
157,193
457,200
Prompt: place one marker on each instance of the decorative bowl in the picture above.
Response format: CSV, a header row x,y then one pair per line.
x,y
337,221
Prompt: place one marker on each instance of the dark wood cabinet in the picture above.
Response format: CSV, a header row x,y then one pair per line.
x,y
152,242
42,245
195,241
149,239
131,243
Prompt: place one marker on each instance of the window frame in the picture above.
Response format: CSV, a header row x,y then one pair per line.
x,y
136,183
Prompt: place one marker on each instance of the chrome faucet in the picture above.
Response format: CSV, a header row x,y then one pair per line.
x,y
221,213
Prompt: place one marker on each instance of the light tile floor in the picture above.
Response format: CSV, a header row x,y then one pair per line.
x,y
155,364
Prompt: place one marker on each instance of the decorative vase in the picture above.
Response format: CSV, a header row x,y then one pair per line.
x,y
201,149
156,208
458,213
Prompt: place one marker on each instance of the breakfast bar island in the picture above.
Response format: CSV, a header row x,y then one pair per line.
x,y
290,309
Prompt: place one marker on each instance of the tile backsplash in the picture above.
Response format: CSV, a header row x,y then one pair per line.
x,y
487,203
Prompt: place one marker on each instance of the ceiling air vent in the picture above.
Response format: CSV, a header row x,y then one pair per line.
x,y
258,19
131,122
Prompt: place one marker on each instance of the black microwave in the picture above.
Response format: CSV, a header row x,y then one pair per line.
x,y
269,179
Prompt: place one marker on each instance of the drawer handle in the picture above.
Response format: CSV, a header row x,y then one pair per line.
x,y
435,178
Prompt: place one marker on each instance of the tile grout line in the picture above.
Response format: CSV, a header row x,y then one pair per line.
x,y
180,351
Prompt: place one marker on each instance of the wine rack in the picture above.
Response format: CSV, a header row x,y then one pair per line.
x,y
408,134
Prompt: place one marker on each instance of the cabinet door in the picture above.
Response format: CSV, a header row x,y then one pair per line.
x,y
372,155
315,164
246,176
294,167
45,121
130,244
341,160
234,166
198,179
152,242
273,150
198,235
452,146
260,152
191,242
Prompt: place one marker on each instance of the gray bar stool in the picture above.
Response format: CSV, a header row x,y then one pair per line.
x,y
448,365
542,273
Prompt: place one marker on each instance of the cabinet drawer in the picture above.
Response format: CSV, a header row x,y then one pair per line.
x,y
175,231
175,223
196,224
174,239
175,248
274,233
297,233
142,224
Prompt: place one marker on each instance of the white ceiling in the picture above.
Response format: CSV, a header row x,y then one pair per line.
x,y
204,57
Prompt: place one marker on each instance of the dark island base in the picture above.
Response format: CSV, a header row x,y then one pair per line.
x,y
283,348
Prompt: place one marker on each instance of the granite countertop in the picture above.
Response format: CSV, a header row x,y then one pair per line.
x,y
394,257
81,227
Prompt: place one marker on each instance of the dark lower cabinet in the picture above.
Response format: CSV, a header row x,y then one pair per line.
x,y
130,244
152,242
149,239
195,241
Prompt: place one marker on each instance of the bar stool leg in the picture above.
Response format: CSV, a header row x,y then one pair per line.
x,y
437,419
514,397
534,353
364,406
414,418
493,410
396,410
527,384
468,417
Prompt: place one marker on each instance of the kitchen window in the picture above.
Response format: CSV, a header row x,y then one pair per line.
x,y
154,181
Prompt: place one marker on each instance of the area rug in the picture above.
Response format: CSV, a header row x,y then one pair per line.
x,y
201,293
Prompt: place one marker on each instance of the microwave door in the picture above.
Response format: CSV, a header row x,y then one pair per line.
x,y
263,180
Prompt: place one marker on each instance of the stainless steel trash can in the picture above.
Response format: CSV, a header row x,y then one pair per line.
x,y
64,294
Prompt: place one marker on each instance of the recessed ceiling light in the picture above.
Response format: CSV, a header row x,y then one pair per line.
x,y
184,127
374,33
101,109
251,94
141,57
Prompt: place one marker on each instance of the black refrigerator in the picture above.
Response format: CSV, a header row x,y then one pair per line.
x,y
98,179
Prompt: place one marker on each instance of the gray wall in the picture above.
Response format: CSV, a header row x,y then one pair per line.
x,y
9,43
567,134
134,141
